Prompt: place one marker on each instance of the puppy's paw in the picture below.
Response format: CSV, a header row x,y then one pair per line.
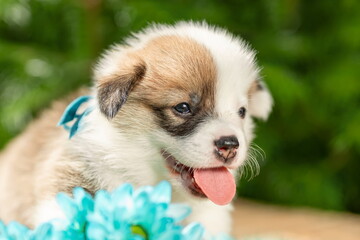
x,y
47,210
216,219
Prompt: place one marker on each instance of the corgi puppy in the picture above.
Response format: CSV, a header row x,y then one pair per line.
x,y
171,103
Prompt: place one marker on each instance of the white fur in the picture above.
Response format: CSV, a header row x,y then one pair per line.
x,y
261,104
47,210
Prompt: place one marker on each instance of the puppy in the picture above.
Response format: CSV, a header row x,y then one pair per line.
x,y
172,103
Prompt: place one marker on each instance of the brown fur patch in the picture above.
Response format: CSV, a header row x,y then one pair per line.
x,y
178,70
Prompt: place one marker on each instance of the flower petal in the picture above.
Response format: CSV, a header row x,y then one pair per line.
x,y
17,231
67,204
193,231
178,212
161,192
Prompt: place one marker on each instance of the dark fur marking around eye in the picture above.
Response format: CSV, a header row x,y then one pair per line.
x,y
181,130
202,108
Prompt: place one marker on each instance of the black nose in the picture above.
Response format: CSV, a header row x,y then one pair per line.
x,y
227,142
226,148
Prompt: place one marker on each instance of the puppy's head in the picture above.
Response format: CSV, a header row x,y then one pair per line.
x,y
191,91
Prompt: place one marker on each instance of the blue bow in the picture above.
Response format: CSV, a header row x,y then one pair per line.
x,y
70,114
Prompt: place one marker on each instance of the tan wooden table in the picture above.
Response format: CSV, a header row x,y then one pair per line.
x,y
269,222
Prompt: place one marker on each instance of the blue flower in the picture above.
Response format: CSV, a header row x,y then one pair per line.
x,y
76,210
142,214
124,214
17,231
45,231
13,231
193,231
109,219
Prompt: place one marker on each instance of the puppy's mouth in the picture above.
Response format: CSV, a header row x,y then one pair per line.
x,y
216,184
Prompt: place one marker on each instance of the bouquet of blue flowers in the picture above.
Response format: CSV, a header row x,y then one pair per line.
x,y
125,214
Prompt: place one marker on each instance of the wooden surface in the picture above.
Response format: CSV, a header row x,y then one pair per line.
x,y
268,222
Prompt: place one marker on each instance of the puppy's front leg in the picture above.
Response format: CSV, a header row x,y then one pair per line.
x,y
216,219
47,210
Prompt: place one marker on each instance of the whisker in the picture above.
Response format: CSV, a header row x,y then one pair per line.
x,y
251,167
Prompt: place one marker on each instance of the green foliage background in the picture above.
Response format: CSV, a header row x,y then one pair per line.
x,y
310,55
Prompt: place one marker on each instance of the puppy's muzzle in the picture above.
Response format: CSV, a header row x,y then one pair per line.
x,y
225,148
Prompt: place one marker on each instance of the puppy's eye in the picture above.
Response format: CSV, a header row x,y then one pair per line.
x,y
242,112
183,108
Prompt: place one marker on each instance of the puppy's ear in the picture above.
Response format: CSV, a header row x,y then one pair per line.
x,y
113,89
260,100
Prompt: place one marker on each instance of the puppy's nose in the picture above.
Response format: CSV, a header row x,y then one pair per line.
x,y
226,148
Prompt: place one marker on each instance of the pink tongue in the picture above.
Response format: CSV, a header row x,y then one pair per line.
x,y
218,184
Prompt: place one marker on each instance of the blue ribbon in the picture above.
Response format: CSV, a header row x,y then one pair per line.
x,y
70,114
